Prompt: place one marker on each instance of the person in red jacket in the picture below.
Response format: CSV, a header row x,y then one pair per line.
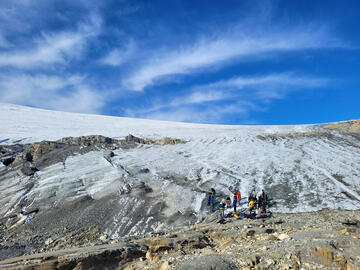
x,y
239,197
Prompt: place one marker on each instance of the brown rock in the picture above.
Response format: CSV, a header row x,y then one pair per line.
x,y
350,266
340,261
270,262
168,140
285,266
164,266
158,244
325,255
272,237
296,259
225,239
148,255
152,258
155,258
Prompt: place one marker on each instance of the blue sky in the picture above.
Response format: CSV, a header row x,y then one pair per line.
x,y
221,62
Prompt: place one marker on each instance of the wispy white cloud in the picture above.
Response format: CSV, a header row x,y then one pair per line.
x,y
66,93
53,47
200,97
273,86
209,53
118,56
213,102
214,114
196,97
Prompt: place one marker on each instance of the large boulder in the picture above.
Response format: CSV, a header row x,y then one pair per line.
x,y
132,139
28,170
91,140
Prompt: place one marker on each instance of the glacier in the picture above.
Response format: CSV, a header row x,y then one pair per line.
x,y
152,187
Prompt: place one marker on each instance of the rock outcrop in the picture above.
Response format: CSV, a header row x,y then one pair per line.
x,y
317,240
42,154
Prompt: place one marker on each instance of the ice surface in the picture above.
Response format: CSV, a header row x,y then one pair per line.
x,y
302,173
26,124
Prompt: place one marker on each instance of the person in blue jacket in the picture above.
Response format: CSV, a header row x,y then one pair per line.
x,y
235,201
212,201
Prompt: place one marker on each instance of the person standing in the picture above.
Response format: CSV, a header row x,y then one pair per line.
x,y
228,202
212,202
235,201
252,196
222,207
239,197
211,199
261,200
265,197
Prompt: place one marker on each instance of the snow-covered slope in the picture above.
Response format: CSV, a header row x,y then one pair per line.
x,y
25,124
305,167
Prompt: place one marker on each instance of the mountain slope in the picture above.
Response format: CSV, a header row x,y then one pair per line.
x,y
150,186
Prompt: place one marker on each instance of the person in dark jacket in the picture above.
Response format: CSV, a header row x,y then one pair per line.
x,y
235,201
260,201
211,199
265,197
252,195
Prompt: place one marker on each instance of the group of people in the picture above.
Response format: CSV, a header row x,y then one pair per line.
x,y
259,203
256,204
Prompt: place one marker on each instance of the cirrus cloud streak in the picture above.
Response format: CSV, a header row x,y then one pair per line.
x,y
225,49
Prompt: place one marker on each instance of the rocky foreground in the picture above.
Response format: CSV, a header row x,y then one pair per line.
x,y
317,240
